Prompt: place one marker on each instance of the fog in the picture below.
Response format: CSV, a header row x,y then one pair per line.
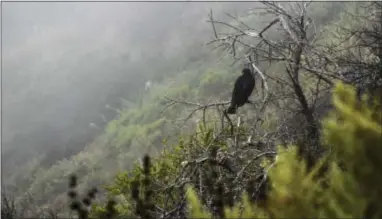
x,y
63,63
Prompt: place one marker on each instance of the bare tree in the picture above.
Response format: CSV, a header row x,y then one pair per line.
x,y
288,40
297,71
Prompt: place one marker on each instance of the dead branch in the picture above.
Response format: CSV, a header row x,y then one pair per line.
x,y
294,49
204,107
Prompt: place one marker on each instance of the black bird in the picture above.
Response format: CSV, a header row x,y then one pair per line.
x,y
244,86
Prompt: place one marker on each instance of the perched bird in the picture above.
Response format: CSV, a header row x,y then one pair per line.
x,y
244,86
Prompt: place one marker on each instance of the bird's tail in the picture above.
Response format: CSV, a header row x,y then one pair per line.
x,y
231,110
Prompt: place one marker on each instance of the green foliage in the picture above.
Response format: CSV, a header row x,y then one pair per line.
x,y
349,186
165,169
138,129
196,208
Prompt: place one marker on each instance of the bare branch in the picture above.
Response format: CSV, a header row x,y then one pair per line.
x,y
213,24
264,80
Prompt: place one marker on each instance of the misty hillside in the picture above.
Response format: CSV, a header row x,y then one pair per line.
x,y
89,88
67,66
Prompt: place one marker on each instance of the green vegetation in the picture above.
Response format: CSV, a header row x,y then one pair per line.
x,y
343,184
198,168
350,189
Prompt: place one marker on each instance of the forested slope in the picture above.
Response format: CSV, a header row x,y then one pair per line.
x,y
194,77
79,72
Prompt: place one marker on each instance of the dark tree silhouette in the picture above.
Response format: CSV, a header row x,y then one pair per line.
x,y
244,86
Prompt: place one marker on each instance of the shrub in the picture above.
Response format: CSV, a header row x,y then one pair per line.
x,y
348,185
344,183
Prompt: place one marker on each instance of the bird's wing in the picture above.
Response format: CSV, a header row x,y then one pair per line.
x,y
248,87
239,86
